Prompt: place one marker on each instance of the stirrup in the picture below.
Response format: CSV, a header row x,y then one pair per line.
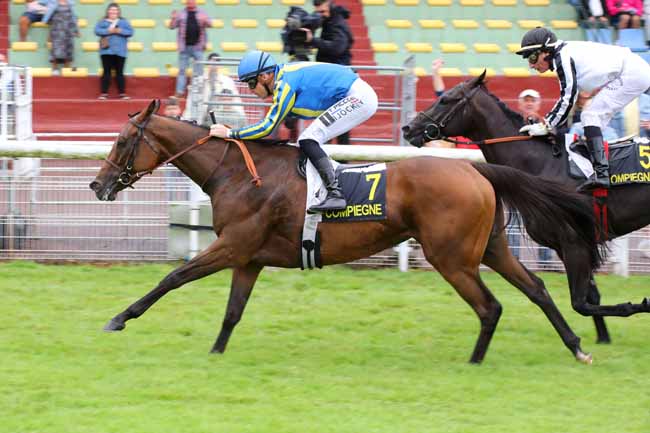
x,y
591,184
329,204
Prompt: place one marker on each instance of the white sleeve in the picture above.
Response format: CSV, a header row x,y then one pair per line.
x,y
566,73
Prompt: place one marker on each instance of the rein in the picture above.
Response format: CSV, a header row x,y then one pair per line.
x,y
127,177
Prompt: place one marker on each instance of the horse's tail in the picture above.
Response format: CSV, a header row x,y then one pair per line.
x,y
553,213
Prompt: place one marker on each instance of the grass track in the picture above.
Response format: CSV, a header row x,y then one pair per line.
x,y
336,350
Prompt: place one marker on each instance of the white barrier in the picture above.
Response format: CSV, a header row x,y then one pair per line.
x,y
99,150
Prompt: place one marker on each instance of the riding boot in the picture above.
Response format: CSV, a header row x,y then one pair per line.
x,y
335,199
600,178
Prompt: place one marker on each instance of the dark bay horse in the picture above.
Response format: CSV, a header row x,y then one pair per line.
x,y
470,110
449,206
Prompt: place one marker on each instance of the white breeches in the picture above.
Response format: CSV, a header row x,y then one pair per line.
x,y
633,81
359,104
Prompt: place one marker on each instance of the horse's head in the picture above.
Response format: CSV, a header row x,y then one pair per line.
x,y
447,117
132,156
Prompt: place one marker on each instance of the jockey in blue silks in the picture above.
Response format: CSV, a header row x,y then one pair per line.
x,y
331,94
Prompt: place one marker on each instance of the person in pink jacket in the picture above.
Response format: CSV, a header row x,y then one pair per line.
x,y
628,12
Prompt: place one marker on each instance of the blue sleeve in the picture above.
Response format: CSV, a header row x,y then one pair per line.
x,y
284,97
125,28
101,28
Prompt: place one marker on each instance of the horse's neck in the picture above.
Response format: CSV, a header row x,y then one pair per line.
x,y
197,163
532,156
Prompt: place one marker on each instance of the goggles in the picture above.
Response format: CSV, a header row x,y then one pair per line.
x,y
533,57
252,83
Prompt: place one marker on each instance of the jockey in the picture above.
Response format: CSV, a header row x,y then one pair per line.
x,y
615,72
331,94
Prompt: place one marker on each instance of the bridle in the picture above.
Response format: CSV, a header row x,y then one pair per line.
x,y
433,130
128,177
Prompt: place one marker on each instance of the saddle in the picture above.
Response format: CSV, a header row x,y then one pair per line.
x,y
629,160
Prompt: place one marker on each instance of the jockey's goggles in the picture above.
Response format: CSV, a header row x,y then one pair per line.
x,y
252,83
533,57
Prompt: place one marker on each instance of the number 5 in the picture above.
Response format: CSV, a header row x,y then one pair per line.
x,y
375,177
644,152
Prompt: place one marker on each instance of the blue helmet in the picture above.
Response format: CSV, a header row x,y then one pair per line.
x,y
254,63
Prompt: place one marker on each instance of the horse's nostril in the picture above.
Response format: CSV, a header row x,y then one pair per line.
x,y
94,185
405,129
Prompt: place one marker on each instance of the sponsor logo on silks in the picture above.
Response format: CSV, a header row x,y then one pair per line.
x,y
339,110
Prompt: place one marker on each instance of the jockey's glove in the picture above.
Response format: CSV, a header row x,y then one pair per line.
x,y
541,128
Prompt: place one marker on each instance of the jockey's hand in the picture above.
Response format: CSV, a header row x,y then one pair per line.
x,y
219,130
540,128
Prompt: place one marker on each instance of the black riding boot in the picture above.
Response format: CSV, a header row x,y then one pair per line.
x,y
600,178
318,157
334,199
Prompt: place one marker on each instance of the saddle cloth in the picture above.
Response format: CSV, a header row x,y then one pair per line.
x,y
629,160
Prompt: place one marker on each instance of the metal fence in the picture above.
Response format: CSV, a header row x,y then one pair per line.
x,y
234,104
47,212
15,102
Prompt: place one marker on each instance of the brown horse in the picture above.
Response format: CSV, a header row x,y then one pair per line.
x,y
449,206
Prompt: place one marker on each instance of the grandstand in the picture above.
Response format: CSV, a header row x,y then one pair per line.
x,y
471,35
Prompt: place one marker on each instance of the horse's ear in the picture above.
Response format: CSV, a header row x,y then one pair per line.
x,y
152,108
477,81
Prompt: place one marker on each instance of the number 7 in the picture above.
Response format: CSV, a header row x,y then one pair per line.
x,y
374,177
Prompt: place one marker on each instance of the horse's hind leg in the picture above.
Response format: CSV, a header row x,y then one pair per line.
x,y
458,264
471,288
593,297
499,257
243,280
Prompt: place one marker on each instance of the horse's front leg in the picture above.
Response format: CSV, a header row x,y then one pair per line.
x,y
217,256
243,280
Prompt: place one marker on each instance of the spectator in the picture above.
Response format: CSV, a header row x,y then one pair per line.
x,y
191,38
334,42
644,116
646,20
628,12
35,11
439,89
529,103
216,86
113,31
63,29
595,19
172,108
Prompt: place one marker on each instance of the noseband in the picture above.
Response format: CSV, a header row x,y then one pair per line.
x,y
433,130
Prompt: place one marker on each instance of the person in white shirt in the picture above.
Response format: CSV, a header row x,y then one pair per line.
x,y
217,86
618,74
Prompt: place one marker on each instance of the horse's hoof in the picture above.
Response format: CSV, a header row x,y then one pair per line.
x,y
585,358
603,341
646,305
216,351
114,326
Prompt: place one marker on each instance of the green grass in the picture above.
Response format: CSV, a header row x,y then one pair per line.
x,y
336,350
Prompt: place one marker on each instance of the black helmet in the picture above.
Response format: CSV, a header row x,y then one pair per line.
x,y
537,39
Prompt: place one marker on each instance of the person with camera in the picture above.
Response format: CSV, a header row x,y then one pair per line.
x,y
333,95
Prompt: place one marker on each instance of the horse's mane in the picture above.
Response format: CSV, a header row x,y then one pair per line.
x,y
515,117
267,141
